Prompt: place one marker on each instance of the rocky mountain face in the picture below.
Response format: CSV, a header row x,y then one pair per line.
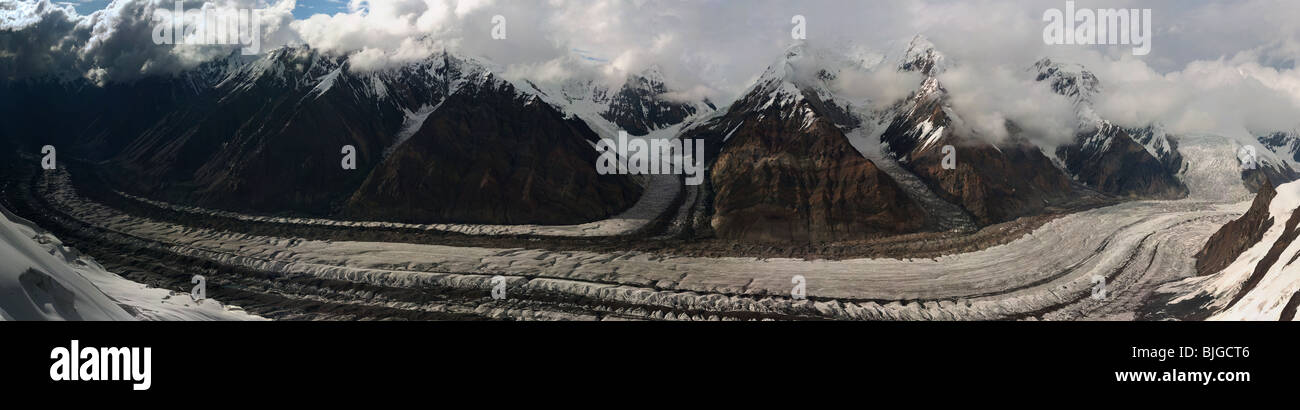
x,y
643,104
995,183
1236,236
73,114
266,135
1139,163
1285,144
267,138
1144,162
1278,164
1110,160
444,139
492,155
640,106
1251,261
783,170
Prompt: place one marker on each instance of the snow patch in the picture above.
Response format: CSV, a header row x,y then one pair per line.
x,y
41,279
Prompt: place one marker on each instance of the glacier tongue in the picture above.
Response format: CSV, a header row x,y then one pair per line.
x,y
1213,173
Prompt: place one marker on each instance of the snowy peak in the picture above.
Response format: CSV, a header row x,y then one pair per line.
x,y
802,82
804,68
1285,143
285,67
652,78
644,103
442,74
293,68
1132,162
923,57
1070,80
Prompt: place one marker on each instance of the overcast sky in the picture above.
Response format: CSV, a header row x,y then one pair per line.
x,y
1239,51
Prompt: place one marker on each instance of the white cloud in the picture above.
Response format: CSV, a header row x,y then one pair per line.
x,y
1215,66
985,98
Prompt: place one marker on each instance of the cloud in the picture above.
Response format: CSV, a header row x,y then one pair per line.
x,y
1215,65
116,43
879,87
38,38
1234,97
986,98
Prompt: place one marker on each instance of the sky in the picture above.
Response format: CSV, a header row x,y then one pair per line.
x,y
304,9
1233,58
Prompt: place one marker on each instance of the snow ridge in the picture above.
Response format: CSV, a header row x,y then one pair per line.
x,y
41,279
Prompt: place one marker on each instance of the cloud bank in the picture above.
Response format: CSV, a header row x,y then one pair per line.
x,y
1215,67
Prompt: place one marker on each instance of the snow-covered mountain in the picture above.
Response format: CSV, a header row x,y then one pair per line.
x,y
1143,161
643,105
1071,80
1249,268
923,57
782,168
267,138
993,181
916,125
1107,157
263,135
1286,144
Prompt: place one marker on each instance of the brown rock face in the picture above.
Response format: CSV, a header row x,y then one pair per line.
x,y
776,181
488,155
1255,179
993,184
1237,236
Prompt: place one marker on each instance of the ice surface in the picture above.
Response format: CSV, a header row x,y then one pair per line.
x,y
41,279
1270,295
1051,266
1213,172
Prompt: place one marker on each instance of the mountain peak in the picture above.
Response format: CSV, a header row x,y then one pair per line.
x,y
650,79
653,74
288,66
1070,80
802,66
796,49
922,56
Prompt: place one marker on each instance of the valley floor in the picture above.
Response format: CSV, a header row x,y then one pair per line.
x,y
1049,273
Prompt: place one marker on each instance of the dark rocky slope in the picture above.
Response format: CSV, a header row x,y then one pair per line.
x,y
1111,161
1105,156
782,169
995,183
776,181
492,155
1236,236
266,136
